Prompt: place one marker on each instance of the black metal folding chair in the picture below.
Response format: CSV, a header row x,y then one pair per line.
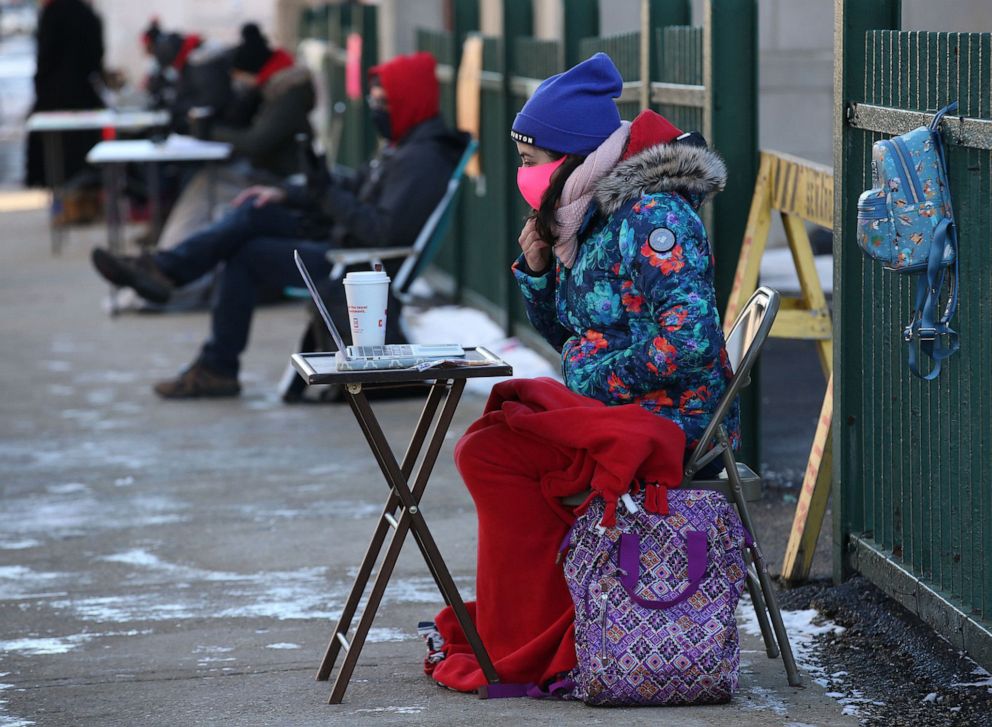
x,y
737,481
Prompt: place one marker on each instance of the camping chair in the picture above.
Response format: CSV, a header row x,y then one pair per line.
x,y
737,481
416,258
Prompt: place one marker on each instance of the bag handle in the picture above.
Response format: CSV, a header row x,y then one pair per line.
x,y
925,325
629,560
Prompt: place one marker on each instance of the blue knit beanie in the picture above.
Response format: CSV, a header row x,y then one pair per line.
x,y
573,112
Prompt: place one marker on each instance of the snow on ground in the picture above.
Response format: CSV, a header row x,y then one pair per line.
x,y
803,627
778,271
471,327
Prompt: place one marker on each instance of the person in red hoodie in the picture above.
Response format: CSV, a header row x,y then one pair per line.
x,y
384,205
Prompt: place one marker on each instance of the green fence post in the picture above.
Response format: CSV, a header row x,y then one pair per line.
x,y
368,26
581,21
662,13
730,74
518,22
465,19
670,12
853,18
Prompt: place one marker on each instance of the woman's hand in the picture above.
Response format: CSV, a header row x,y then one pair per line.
x,y
261,195
537,252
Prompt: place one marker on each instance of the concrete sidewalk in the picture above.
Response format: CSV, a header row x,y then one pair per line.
x,y
181,563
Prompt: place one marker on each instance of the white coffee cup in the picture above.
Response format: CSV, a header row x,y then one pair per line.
x,y
368,294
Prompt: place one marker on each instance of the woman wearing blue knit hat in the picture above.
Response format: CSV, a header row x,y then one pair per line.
x,y
617,274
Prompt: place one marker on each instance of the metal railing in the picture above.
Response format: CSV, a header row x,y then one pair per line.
x,y
913,484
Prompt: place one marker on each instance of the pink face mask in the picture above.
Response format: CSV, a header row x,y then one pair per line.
x,y
534,181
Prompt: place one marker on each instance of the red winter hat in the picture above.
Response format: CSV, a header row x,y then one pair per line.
x,y
650,129
410,83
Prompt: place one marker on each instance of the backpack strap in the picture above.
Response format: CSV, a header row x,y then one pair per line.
x,y
925,326
556,690
944,257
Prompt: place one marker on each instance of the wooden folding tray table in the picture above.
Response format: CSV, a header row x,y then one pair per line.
x,y
407,482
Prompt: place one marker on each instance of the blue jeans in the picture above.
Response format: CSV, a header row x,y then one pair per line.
x,y
256,246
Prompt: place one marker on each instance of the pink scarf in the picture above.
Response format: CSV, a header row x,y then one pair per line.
x,y
579,189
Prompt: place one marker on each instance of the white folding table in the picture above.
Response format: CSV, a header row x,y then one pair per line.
x,y
52,124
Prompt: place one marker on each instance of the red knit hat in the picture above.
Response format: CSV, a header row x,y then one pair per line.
x,y
650,129
411,86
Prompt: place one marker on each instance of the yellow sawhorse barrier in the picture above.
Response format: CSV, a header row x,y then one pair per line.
x,y
801,191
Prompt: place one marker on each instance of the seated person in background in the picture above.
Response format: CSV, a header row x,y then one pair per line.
x,y
273,97
386,204
190,72
169,53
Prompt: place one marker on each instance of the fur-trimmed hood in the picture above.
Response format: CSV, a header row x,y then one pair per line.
x,y
696,172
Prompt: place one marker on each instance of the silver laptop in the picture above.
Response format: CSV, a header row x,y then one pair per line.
x,y
389,356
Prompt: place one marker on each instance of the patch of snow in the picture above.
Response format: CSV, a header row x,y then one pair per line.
x,y
124,481
69,488
761,699
18,582
34,646
391,710
778,270
471,327
5,719
283,645
200,649
383,635
18,544
931,697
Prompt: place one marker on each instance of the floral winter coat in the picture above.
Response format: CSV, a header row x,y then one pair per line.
x,y
635,318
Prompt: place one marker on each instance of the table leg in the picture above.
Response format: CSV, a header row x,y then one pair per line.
x,y
112,212
154,201
211,190
410,518
54,173
382,527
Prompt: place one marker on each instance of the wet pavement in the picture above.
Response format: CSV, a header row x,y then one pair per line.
x,y
168,563
888,666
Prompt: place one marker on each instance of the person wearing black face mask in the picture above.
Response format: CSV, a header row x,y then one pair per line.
x,y
379,108
384,204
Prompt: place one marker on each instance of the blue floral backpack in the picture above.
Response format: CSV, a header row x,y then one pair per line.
x,y
906,222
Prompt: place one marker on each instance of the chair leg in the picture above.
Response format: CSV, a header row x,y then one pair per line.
x,y
767,588
760,611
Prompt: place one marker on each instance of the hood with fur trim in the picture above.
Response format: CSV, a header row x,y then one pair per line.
x,y
695,172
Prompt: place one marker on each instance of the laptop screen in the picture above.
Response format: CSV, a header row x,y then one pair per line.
x,y
319,302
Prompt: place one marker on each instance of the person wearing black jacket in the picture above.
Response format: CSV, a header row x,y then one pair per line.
x,y
69,60
386,205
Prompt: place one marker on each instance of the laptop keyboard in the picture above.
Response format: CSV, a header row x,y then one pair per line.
x,y
395,350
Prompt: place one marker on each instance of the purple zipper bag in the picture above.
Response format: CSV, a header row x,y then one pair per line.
x,y
654,602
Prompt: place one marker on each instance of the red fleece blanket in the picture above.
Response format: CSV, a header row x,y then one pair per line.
x,y
536,443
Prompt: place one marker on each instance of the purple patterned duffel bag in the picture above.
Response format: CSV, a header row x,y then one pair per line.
x,y
654,602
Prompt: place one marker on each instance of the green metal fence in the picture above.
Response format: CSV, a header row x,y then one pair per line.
x,y
333,24
913,487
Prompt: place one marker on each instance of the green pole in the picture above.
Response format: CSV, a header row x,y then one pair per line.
x,y
518,22
368,26
581,21
465,19
852,19
730,74
663,13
